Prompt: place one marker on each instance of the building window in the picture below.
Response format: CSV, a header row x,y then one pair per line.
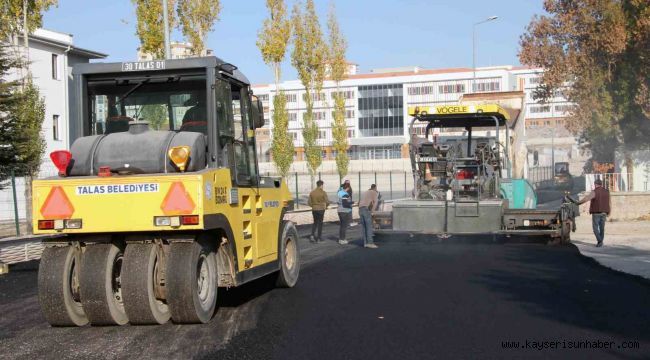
x,y
350,133
346,94
263,97
291,98
294,135
564,108
377,152
534,80
540,109
420,90
293,116
314,96
55,66
487,86
381,110
55,127
451,88
317,115
322,134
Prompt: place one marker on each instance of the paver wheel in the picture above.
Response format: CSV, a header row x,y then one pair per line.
x,y
139,277
101,288
288,256
58,287
565,237
191,282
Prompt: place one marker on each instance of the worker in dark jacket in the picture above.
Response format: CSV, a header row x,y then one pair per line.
x,y
599,208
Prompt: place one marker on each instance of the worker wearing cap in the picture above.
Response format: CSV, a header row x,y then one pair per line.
x,y
600,206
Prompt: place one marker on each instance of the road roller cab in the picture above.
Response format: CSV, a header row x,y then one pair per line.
x,y
159,199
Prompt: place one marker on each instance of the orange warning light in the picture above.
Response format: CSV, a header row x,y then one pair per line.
x,y
177,201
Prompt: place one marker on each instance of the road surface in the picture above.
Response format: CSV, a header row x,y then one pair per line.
x,y
414,299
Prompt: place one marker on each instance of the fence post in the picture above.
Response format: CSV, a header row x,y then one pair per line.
x,y
296,177
405,185
13,188
390,177
359,195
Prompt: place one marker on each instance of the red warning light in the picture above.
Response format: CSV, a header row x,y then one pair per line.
x,y
177,201
61,159
57,205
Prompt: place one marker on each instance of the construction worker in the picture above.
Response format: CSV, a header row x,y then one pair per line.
x,y
368,202
599,208
344,211
318,201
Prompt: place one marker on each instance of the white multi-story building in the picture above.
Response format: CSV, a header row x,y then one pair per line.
x,y
178,50
377,107
51,57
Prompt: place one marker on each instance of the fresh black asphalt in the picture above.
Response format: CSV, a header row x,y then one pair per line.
x,y
409,299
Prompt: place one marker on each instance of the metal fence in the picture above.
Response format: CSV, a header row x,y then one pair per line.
x,y
13,203
391,185
12,206
540,174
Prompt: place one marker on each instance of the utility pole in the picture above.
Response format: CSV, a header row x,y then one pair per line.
x,y
491,18
553,150
168,54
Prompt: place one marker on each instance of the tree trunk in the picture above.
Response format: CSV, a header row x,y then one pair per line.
x,y
28,203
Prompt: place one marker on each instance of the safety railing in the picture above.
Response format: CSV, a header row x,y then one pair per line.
x,y
391,185
619,182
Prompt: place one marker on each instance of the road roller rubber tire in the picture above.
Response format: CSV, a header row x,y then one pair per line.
x,y
56,277
191,282
288,256
138,272
100,285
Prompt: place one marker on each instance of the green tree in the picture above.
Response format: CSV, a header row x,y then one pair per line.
x,y
308,57
13,16
601,50
157,116
9,102
272,40
151,28
24,114
282,146
26,122
338,68
21,119
196,18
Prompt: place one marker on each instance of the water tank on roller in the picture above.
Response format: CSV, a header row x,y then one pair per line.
x,y
137,151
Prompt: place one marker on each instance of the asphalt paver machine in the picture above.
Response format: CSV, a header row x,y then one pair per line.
x,y
463,184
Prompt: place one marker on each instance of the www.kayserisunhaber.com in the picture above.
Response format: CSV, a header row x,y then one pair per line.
x,y
569,344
